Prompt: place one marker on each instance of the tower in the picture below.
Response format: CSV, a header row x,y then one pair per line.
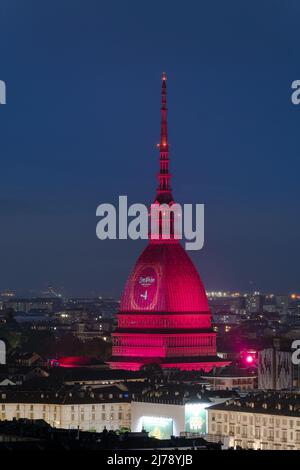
x,y
164,316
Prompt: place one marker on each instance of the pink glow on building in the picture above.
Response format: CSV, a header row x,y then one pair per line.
x,y
249,359
72,361
174,284
164,316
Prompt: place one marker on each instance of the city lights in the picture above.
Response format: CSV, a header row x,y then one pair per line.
x,y
115,339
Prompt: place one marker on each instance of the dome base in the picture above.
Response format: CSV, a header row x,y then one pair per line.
x,y
195,363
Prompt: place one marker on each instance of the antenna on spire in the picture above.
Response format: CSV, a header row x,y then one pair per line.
x,y
164,127
164,190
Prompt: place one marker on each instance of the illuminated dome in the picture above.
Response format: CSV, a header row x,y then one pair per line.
x,y
172,282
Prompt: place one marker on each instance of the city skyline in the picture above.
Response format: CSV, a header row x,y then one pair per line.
x,y
60,291
149,258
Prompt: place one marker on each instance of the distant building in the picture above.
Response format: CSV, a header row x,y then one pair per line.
x,y
109,307
94,377
254,303
226,304
35,319
231,377
12,375
294,309
6,294
224,322
86,332
48,305
275,370
26,359
282,304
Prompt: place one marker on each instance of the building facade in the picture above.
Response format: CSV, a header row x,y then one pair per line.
x,y
275,370
165,418
231,379
68,410
265,421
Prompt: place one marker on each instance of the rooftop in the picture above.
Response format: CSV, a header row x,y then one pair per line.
x,y
39,435
277,403
64,395
232,372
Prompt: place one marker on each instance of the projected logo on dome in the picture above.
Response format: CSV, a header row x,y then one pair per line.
x,y
145,288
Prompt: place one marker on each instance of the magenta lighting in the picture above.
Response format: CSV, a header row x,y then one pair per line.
x,y
164,317
248,358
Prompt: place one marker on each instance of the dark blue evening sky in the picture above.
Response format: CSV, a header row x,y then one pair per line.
x,y
82,120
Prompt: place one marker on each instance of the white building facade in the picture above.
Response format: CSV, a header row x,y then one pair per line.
x,y
86,416
255,429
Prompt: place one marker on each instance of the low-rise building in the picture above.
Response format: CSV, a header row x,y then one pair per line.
x,y
49,305
69,408
232,377
266,421
163,415
26,359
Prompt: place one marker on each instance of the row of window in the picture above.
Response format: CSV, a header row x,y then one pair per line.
x,y
73,407
257,433
82,416
163,323
108,412
264,445
236,382
262,420
187,340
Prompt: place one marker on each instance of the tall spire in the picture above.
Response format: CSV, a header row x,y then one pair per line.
x,y
164,194
164,125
